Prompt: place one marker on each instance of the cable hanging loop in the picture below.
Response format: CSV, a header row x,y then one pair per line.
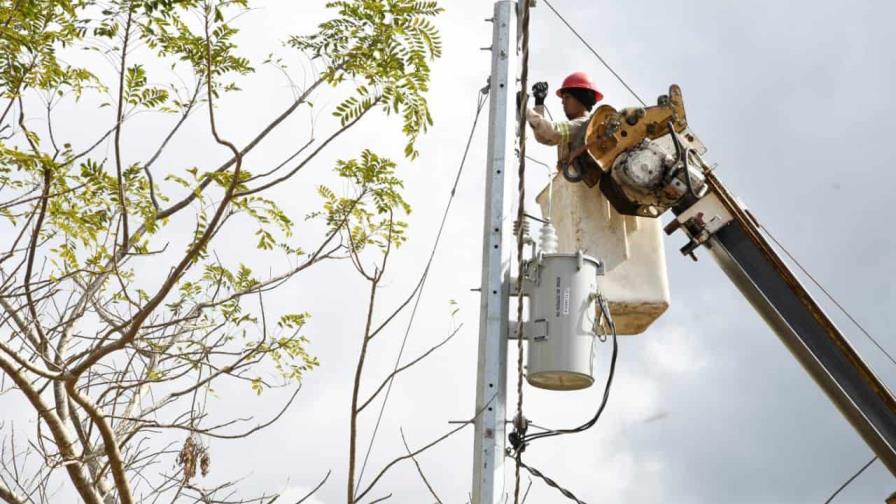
x,y
516,435
605,310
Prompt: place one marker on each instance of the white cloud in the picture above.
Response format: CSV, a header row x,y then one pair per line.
x,y
675,349
292,494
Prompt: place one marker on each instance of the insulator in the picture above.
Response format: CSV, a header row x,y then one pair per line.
x,y
548,238
516,228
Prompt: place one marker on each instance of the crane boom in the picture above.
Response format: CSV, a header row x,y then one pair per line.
x,y
721,224
649,161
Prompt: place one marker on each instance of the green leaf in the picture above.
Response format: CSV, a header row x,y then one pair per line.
x,y
257,385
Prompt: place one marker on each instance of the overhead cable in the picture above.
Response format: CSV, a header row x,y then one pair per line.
x,y
551,483
520,242
850,480
828,294
603,404
595,53
482,97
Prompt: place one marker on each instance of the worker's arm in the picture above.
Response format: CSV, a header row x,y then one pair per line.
x,y
547,132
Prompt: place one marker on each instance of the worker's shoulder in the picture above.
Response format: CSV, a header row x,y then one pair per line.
x,y
580,121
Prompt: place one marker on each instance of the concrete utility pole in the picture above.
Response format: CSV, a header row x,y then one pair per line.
x,y
491,378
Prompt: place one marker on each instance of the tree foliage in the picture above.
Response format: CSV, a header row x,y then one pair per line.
x,y
388,47
118,316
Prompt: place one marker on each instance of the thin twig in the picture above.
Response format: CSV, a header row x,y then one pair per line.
x,y
314,490
406,366
419,469
422,449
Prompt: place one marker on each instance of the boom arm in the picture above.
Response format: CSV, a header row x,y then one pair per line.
x,y
720,223
648,170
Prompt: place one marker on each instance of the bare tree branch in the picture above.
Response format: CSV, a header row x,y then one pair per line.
x,y
183,117
311,156
416,452
406,366
419,469
353,428
119,115
35,236
248,148
314,490
60,435
7,495
210,431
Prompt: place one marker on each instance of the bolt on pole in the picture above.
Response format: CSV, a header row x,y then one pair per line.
x,y
491,379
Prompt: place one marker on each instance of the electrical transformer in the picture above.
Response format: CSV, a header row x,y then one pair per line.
x,y
562,291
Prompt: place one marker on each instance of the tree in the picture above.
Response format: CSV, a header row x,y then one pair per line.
x,y
116,324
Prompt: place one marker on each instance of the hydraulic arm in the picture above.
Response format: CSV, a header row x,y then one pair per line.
x,y
735,241
651,162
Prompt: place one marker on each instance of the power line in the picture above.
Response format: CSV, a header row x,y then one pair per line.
x,y
520,242
828,294
542,163
603,404
482,97
852,319
595,53
800,266
551,483
518,437
850,480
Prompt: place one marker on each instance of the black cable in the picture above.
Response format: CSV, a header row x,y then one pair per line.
x,y
683,153
536,219
827,294
603,404
482,98
850,480
520,242
551,483
542,163
595,53
591,422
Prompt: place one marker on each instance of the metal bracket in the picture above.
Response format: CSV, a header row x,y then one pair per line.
x,y
540,330
701,221
536,330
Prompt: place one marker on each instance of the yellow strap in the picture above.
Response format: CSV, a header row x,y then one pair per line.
x,y
563,129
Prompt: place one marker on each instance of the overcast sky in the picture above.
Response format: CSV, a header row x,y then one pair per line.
x,y
794,101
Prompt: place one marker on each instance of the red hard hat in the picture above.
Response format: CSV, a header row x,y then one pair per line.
x,y
580,80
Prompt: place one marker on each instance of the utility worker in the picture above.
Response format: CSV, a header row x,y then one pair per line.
x,y
578,95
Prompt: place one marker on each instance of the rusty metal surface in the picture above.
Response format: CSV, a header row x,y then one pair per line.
x,y
748,221
633,317
856,366
611,132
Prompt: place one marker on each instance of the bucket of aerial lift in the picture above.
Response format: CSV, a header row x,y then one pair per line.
x,y
562,292
635,281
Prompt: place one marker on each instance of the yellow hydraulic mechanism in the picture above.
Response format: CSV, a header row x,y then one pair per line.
x,y
645,159
612,132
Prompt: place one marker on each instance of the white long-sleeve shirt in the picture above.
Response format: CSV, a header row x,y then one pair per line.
x,y
566,135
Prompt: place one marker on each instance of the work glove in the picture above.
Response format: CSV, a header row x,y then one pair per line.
x,y
540,92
